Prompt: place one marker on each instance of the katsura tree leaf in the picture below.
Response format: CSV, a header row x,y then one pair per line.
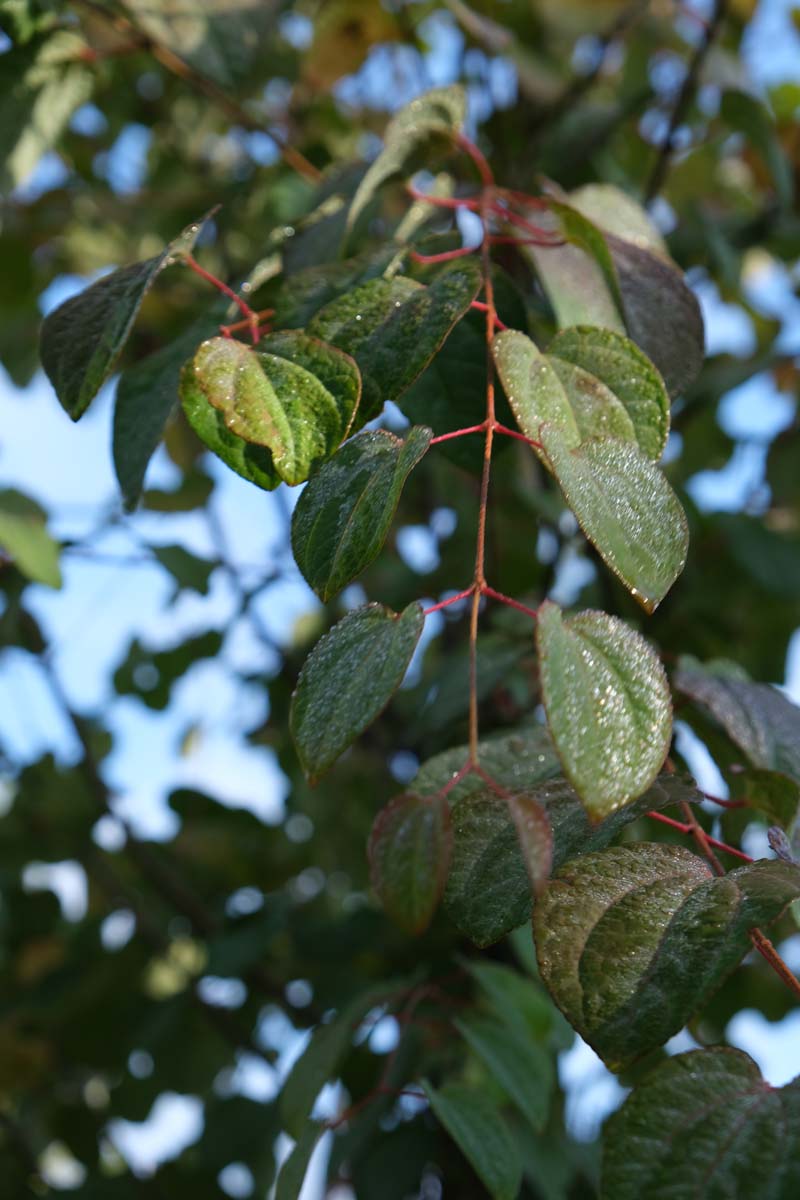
x,y
633,940
625,507
749,116
269,400
479,1130
438,111
578,277
289,1183
409,855
627,372
344,514
24,537
759,719
607,702
305,292
348,679
488,889
393,327
614,211
704,1124
521,1066
82,339
147,395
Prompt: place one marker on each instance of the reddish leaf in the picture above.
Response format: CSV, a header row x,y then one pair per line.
x,y
409,855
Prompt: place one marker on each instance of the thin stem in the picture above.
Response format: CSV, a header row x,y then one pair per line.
x,y
533,613
479,306
683,828
453,202
477,156
251,318
514,433
701,837
450,600
462,773
428,260
457,433
767,951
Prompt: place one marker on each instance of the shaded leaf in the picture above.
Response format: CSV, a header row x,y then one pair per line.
x,y
749,116
24,537
348,679
535,837
409,854
519,1064
477,1127
607,702
289,1183
770,792
617,212
626,508
579,278
344,514
188,571
633,940
743,1140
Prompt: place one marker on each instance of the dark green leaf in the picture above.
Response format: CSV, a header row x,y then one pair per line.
x,y
520,1065
349,678
188,571
24,537
608,705
770,792
516,760
704,1124
477,1127
633,940
625,507
289,1183
343,516
409,855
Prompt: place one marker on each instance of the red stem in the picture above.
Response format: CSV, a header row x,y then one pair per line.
x,y
443,201
251,317
451,600
519,436
484,308
684,828
456,433
503,599
427,260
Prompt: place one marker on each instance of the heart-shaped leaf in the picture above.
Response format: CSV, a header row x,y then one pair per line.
x,y
409,855
632,941
348,679
343,516
477,1127
704,1124
608,705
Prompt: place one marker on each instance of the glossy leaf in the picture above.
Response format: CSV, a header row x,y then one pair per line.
x,y
625,507
477,1127
607,702
82,339
759,719
519,1064
619,363
24,538
439,111
744,1142
409,855
393,327
344,514
289,1183
633,940
349,678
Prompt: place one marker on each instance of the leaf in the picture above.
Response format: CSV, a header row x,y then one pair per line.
x,y
305,292
349,678
150,674
409,854
515,1000
770,792
393,327
607,702
147,394
481,1134
628,373
626,508
438,111
488,889
520,1065
344,32
749,116
269,400
757,718
189,572
633,940
614,211
579,278
706,1124
289,1183
516,760
535,838
24,537
344,514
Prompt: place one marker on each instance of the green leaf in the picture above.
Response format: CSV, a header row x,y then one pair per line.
x,y
189,572
147,395
704,1124
477,1127
625,507
349,678
607,702
770,792
439,111
633,940
269,400
488,889
520,1065
289,1183
749,116
759,719
409,854
516,760
150,674
393,327
614,211
82,339
515,1000
24,537
344,514
305,292
579,278
619,363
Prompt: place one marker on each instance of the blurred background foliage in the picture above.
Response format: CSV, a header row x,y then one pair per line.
x,y
177,905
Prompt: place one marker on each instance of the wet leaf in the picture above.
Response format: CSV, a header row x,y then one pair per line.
x,y
633,940
409,855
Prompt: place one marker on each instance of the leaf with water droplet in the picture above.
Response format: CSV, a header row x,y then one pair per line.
x,y
626,508
343,516
409,855
633,940
608,705
348,679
